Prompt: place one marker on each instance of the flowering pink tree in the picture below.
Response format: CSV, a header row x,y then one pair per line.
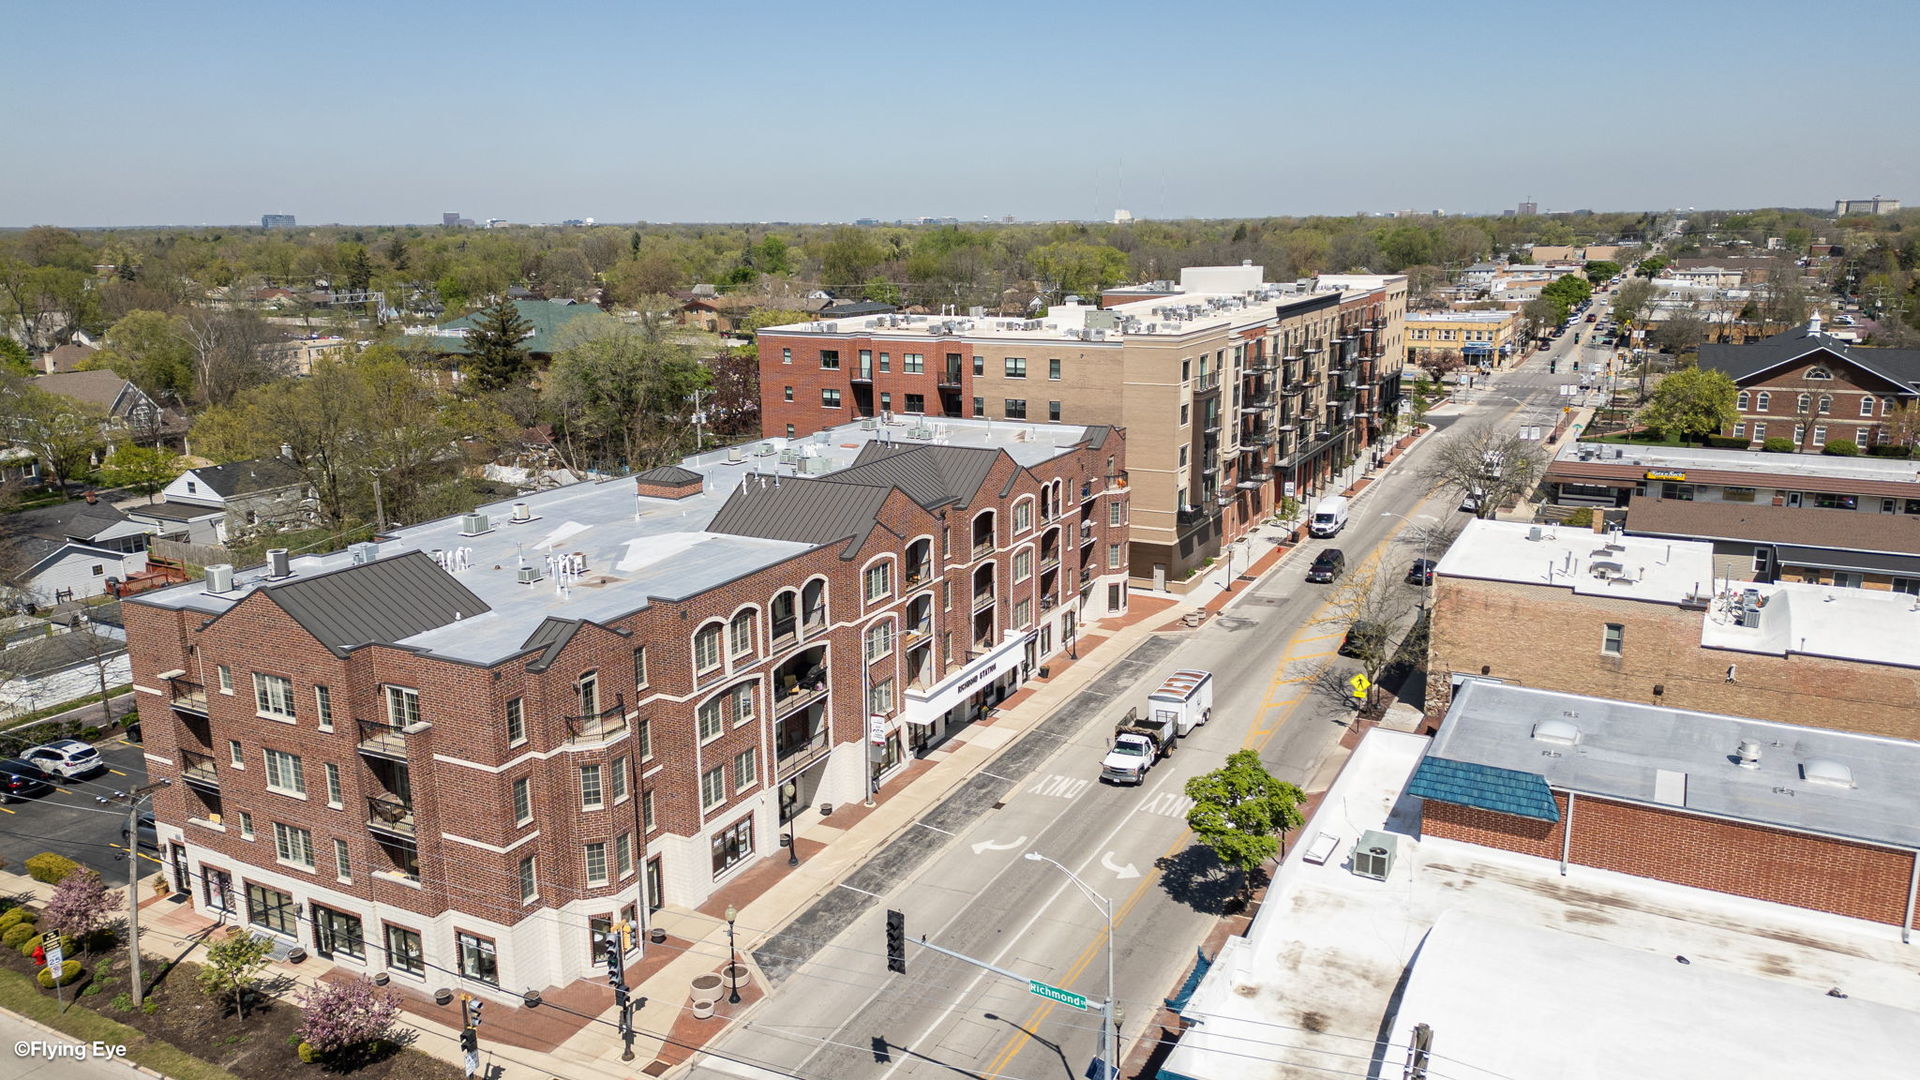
x,y
80,906
346,1016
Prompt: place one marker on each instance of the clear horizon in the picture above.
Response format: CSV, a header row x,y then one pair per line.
x,y
364,115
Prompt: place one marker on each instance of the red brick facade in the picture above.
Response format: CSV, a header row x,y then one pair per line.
x,y
452,783
1857,880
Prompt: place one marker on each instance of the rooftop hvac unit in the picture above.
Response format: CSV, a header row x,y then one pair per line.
x,y
868,425
363,553
735,455
277,566
816,466
789,457
1373,855
765,449
1097,335
528,575
522,513
1074,334
220,578
830,328
976,312
873,323
474,524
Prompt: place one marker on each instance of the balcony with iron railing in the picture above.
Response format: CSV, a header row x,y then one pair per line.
x,y
1206,381
1049,560
187,696
918,633
1087,533
381,739
789,699
794,750
1088,489
982,547
949,379
982,599
1048,601
390,817
607,723
199,770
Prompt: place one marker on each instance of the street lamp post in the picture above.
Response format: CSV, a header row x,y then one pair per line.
x,y
1110,1025
733,961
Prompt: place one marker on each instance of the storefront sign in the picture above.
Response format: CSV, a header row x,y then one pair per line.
x,y
1652,475
877,730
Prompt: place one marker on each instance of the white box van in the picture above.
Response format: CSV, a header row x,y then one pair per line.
x,y
1328,518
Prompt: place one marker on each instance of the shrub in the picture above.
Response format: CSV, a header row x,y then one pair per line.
x,y
80,905
50,868
1727,442
122,1002
307,1053
1779,444
346,1017
1841,448
1890,450
17,916
69,971
1581,518
16,935
37,940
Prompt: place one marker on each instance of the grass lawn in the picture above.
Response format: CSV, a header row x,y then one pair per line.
x,y
18,994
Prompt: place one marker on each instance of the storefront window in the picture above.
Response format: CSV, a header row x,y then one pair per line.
x,y
404,952
732,845
477,958
271,909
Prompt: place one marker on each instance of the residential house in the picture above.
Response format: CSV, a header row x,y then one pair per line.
x,y
64,358
51,671
71,551
131,414
219,502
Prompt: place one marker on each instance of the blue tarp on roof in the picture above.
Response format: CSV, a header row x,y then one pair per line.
x,y
1504,791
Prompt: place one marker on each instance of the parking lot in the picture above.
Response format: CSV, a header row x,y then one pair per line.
x,y
73,822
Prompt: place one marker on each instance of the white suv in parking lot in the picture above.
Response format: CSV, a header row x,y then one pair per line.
x,y
68,759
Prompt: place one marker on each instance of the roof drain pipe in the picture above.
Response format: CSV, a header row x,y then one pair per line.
x,y
1566,843
1913,889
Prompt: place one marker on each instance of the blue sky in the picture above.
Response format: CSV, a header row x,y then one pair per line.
x,y
183,113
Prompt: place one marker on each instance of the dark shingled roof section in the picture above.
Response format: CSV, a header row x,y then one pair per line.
x,y
1807,526
803,511
242,477
1503,791
550,637
379,603
669,475
930,475
1744,361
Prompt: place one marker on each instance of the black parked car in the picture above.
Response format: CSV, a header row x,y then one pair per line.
x,y
1421,572
149,836
1327,565
19,779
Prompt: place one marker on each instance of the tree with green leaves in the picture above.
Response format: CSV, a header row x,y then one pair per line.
x,y
1602,270
144,469
1651,266
496,354
1691,404
150,349
232,966
1240,811
624,391
14,357
64,433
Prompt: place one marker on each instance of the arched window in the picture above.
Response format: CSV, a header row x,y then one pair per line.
x,y
1742,402
1826,403
879,640
1817,372
1763,402
706,648
1803,402
740,634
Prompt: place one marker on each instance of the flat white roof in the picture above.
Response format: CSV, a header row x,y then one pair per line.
x,y
1818,620
1500,315
1681,458
1588,563
1566,982
1175,315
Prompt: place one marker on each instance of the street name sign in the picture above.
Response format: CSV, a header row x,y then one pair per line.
x,y
1054,993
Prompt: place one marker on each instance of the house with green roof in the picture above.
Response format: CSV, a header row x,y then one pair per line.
x,y
547,317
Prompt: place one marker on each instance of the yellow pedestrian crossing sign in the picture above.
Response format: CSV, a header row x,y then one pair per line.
x,y
1361,684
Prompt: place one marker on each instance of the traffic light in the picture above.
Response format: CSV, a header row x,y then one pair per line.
x,y
473,1012
469,1041
1553,366
616,975
896,942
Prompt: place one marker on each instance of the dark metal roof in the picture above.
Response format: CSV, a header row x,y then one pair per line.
x,y
807,511
378,603
243,477
550,637
669,475
1806,527
932,476
1872,562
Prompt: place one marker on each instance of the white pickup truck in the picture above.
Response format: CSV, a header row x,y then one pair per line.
x,y
1183,702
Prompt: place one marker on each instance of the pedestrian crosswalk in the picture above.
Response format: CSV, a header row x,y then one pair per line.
x,y
1168,804
1060,787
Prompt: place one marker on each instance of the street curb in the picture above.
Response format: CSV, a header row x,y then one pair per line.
x,y
56,1035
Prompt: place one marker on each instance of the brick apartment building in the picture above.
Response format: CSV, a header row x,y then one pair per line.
x,y
464,751
1812,818
1235,392
1814,389
1647,620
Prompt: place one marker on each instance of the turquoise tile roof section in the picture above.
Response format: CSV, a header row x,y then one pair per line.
x,y
546,318
1503,791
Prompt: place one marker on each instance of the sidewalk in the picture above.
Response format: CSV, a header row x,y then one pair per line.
x,y
572,1033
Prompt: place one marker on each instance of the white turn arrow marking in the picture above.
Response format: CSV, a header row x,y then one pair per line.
x,y
988,845
1122,872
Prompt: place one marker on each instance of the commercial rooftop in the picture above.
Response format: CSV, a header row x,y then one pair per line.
x,y
1499,315
1240,299
1868,625
598,551
1588,563
1523,972
1805,779
1581,461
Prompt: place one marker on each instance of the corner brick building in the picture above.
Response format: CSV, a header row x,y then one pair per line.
x,y
465,752
1808,817
1646,620
1236,392
1813,388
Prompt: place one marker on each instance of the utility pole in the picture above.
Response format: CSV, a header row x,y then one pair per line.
x,y
379,509
133,880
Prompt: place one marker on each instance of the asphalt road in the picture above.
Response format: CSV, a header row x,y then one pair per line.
x,y
960,878
24,1056
72,821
